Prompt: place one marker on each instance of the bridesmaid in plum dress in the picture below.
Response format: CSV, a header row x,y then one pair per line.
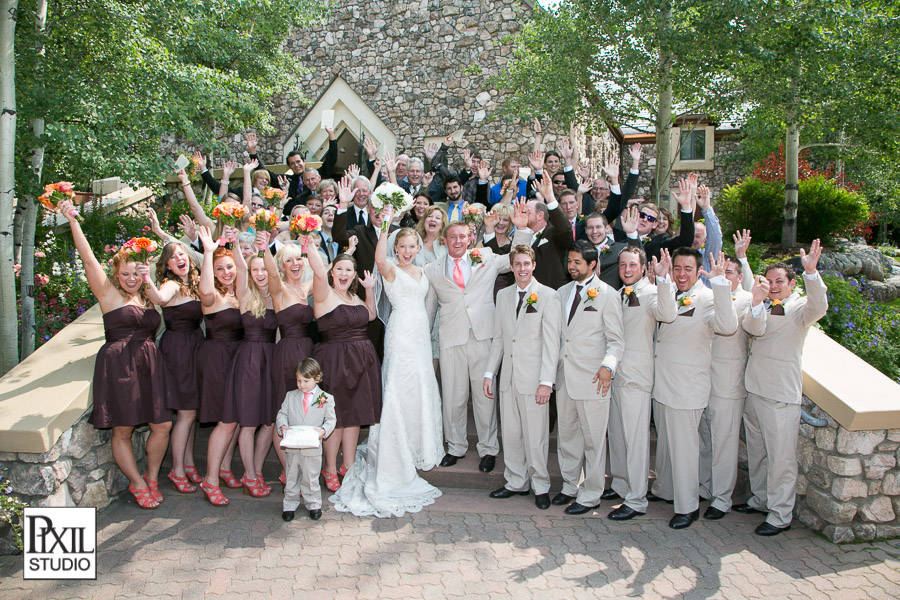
x,y
224,332
289,296
348,358
122,403
250,396
178,294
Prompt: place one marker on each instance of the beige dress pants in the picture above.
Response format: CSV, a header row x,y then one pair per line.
x,y
526,442
720,430
581,443
679,440
629,445
301,474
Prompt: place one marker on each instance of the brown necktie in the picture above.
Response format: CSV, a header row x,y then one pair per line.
x,y
632,299
519,305
777,309
575,302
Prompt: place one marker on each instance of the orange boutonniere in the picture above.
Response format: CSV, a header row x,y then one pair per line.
x,y
777,302
591,293
685,301
475,256
628,290
531,299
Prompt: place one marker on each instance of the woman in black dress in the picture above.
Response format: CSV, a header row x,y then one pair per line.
x,y
179,297
295,315
122,403
348,358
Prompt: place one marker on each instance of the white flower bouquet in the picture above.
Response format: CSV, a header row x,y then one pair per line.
x,y
394,195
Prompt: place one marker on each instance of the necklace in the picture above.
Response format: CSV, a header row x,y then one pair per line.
x,y
231,293
345,297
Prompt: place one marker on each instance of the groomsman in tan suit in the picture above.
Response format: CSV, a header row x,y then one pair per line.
x,y
720,425
682,381
526,338
592,344
773,380
462,282
643,305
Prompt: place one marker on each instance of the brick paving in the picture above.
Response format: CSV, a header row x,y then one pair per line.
x,y
466,545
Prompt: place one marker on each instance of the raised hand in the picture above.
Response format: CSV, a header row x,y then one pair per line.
x,y
490,221
716,268
228,168
565,149
468,159
188,227
262,240
353,170
536,160
520,216
283,182
390,160
431,149
367,280
206,239
631,220
584,170
330,132
143,271
183,177
635,151
741,243
154,221
811,261
536,126
448,141
760,289
704,197
371,147
67,209
683,195
251,142
611,169
663,266
387,216
484,170
427,178
201,161
352,242
546,187
230,234
346,193
250,166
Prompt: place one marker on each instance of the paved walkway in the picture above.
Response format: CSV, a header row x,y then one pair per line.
x,y
466,545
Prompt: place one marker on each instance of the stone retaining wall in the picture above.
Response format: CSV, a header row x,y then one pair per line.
x,y
848,486
77,471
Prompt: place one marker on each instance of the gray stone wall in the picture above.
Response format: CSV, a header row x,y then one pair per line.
x,y
848,486
77,471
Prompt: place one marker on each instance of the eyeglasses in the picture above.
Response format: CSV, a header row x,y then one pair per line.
x,y
559,182
646,217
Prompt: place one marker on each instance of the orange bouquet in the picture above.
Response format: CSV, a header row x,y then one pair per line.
x,y
230,214
264,220
306,224
473,213
54,193
273,193
139,249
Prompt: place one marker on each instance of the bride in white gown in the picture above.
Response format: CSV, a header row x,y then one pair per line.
x,y
383,481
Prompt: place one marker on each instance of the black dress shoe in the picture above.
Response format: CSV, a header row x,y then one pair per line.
x,y
315,514
746,509
713,514
542,501
651,497
505,493
683,521
610,494
287,516
768,530
579,509
487,463
624,513
449,460
562,499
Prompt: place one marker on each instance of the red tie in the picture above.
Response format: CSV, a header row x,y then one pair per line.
x,y
573,230
458,278
306,396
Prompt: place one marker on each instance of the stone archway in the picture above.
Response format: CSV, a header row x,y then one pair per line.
x,y
353,119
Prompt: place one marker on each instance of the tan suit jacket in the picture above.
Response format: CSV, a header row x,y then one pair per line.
x,y
774,366
656,303
594,337
528,344
684,347
729,358
291,413
472,309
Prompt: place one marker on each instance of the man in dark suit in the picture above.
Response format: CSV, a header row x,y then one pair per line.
x,y
596,229
608,192
649,216
358,212
552,237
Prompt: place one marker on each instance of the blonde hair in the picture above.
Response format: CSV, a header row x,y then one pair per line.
x,y
257,303
285,252
420,226
119,259
262,173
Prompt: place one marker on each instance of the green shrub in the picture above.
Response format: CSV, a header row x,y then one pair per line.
x,y
869,329
824,211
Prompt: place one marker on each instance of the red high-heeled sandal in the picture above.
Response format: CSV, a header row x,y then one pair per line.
x,y
331,481
229,479
253,488
263,484
143,497
282,479
214,494
342,470
190,471
181,484
154,488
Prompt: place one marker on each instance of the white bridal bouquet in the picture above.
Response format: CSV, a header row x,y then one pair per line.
x,y
388,193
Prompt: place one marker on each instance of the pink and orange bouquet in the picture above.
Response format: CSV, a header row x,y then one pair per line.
x,y
306,224
54,193
473,213
273,194
264,220
230,214
139,249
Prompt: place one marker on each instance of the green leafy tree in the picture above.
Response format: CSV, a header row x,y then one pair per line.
x,y
100,83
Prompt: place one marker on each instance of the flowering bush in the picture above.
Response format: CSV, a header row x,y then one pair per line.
x,y
869,329
11,508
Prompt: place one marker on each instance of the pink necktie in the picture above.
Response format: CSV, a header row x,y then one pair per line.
x,y
573,230
458,278
306,396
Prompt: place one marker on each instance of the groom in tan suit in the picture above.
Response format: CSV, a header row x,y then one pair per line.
x,y
526,336
462,282
592,342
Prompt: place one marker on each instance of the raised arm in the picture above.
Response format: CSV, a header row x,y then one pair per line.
x,y
385,267
227,169
320,288
199,215
100,284
248,182
367,281
242,277
275,284
207,286
741,244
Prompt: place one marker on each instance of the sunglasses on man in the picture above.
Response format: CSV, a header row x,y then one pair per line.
x,y
646,217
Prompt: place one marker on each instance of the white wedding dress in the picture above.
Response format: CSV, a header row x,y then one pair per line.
x,y
383,481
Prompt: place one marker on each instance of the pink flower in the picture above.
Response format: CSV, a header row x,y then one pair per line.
x,y
39,254
110,249
16,268
64,186
41,279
